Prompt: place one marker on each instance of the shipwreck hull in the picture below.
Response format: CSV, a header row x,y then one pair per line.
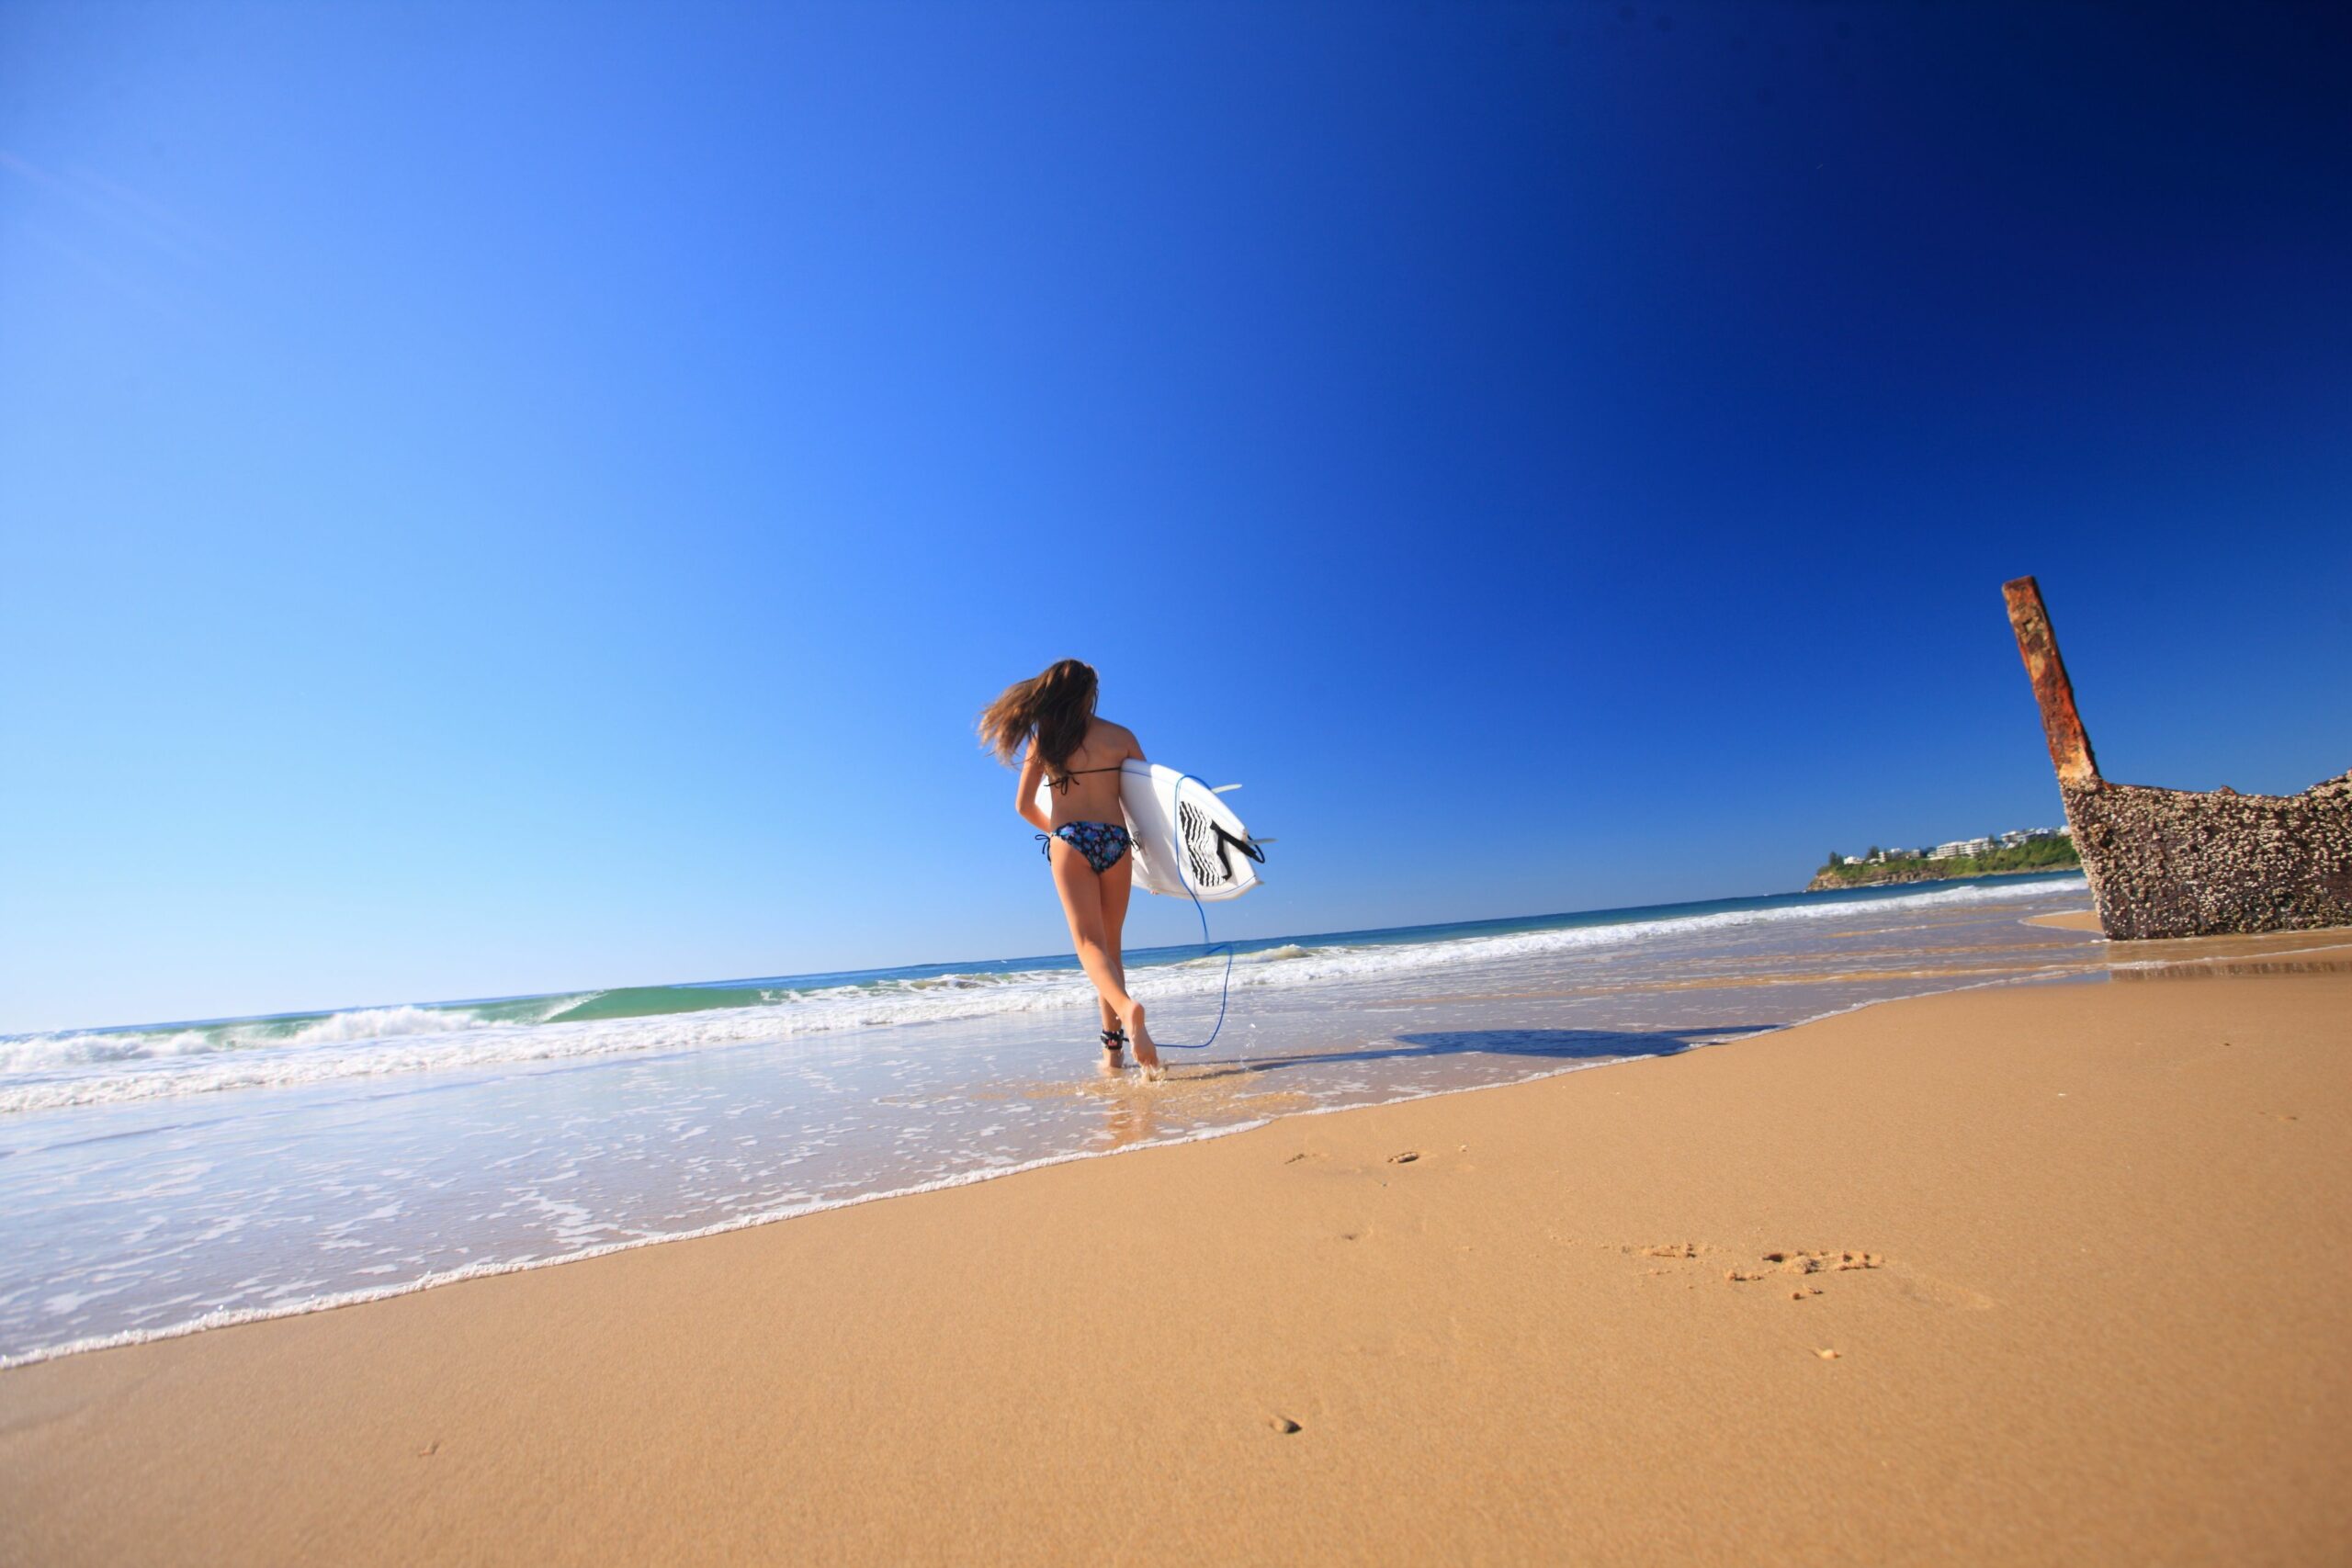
x,y
2170,863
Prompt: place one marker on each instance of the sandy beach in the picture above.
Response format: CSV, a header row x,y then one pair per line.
x,y
2033,1274
1175,784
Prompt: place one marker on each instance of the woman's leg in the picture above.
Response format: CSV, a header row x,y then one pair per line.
x,y
1083,896
1117,884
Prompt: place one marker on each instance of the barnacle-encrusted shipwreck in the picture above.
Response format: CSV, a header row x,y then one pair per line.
x,y
2165,863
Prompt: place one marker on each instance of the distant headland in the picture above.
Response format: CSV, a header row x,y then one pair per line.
x,y
2033,848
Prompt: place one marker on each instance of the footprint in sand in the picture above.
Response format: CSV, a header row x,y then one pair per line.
x,y
1805,1263
1797,1267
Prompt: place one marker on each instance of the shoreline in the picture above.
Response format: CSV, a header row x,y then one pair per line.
x,y
1520,1341
344,1292
248,1318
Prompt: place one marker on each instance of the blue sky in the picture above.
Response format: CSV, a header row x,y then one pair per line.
x,y
497,498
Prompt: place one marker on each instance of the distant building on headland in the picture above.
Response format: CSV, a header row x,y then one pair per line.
x,y
1995,854
1985,846
2012,840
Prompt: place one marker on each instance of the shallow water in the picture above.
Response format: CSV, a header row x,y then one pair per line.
x,y
155,1180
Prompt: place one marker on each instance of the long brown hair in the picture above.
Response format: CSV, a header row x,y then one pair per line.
x,y
1049,711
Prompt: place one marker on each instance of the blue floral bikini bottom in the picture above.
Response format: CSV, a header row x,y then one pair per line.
x,y
1100,842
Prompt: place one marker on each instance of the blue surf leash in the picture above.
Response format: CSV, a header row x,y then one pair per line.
x,y
1223,990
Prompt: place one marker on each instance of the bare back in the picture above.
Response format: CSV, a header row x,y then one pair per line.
x,y
1092,791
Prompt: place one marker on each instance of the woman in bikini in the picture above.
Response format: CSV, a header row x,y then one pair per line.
x,y
1049,723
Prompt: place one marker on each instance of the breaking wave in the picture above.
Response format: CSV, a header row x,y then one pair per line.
x,y
64,1069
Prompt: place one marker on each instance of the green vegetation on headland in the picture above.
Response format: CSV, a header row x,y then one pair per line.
x,y
2034,855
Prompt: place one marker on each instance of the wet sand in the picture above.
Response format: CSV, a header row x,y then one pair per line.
x,y
2048,1274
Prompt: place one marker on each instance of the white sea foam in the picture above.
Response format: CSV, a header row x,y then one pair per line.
x,y
40,1053
49,1072
324,1301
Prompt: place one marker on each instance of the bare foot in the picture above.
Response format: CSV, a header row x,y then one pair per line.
x,y
1147,1053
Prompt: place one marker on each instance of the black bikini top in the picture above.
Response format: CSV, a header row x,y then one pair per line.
x,y
1061,784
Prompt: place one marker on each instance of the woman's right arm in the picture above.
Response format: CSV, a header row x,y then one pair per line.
x,y
1025,794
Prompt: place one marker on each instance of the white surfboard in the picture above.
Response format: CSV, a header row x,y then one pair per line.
x,y
1188,842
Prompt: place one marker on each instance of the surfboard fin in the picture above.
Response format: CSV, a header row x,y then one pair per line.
x,y
1247,846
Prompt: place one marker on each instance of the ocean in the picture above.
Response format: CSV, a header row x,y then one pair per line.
x,y
168,1178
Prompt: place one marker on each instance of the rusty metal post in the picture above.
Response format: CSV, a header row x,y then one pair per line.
x,y
2070,749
